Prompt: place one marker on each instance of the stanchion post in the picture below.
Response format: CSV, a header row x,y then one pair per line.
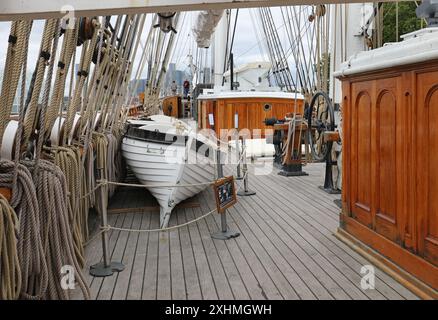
x,y
106,267
239,155
245,192
224,234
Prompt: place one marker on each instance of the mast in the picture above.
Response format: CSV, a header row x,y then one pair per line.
x,y
347,38
220,40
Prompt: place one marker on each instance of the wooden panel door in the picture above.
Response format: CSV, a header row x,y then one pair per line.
x,y
427,166
389,128
360,152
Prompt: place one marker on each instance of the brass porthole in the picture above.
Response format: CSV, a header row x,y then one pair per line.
x,y
267,107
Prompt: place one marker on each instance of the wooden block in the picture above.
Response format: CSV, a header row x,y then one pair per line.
x,y
7,193
332,136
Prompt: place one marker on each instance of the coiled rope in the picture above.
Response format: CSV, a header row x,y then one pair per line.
x,y
57,228
10,272
30,246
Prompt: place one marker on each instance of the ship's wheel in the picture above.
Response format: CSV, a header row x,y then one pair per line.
x,y
321,120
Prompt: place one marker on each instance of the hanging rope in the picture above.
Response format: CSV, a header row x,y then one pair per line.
x,y
10,272
87,55
44,57
65,60
30,246
57,228
14,60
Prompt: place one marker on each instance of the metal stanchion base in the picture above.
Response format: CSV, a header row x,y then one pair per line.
x,y
292,174
246,193
225,235
292,170
99,270
330,190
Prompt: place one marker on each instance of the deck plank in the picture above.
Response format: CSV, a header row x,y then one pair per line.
x,y
286,250
138,266
191,277
207,283
112,240
333,252
312,274
389,286
232,273
149,290
178,285
123,278
249,280
216,264
108,284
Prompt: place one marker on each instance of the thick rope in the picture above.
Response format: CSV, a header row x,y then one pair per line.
x,y
87,55
57,228
10,272
108,227
30,248
65,60
14,60
45,53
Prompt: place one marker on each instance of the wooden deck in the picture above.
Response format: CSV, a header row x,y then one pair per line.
x,y
286,250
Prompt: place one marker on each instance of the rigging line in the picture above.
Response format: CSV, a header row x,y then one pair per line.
x,y
137,32
307,62
228,12
142,63
125,74
291,37
230,51
296,36
181,48
256,33
282,64
305,73
170,47
270,48
293,42
262,39
110,108
234,31
312,54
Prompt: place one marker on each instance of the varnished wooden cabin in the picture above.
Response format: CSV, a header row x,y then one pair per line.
x,y
390,154
218,111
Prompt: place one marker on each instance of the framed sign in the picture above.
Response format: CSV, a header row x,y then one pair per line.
x,y
225,193
211,119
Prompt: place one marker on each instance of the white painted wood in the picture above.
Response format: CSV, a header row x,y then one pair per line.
x,y
43,9
249,94
8,140
163,164
55,134
421,46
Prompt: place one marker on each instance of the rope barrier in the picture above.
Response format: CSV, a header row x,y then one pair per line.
x,y
122,184
108,227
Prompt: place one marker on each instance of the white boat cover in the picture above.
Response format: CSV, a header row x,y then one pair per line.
x,y
205,25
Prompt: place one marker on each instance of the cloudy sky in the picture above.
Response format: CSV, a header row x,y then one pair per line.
x,y
247,47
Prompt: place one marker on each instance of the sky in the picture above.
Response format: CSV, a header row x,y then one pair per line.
x,y
247,44
245,47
